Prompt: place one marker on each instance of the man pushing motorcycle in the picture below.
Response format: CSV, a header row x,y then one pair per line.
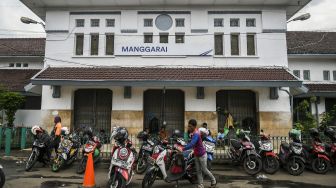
x,y
200,154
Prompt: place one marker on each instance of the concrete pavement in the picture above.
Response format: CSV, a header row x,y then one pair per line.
x,y
227,176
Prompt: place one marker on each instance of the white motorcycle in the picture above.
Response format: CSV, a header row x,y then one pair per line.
x,y
2,177
123,156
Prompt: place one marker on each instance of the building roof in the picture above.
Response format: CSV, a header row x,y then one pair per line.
x,y
183,76
301,42
22,46
16,79
321,87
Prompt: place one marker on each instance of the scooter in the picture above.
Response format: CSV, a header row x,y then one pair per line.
x,y
291,155
39,153
2,177
146,149
243,150
315,154
181,166
92,146
121,168
331,147
269,159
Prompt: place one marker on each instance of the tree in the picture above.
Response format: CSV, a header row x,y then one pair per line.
x,y
328,118
306,120
10,102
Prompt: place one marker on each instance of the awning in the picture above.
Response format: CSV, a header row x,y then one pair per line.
x,y
189,77
320,89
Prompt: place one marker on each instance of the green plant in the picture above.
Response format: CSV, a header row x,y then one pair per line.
x,y
10,102
328,118
306,120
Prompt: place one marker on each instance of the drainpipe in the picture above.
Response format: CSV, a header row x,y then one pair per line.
x,y
290,101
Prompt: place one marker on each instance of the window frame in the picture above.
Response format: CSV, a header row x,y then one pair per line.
x,y
78,21
179,35
328,75
254,44
92,21
148,35
107,22
179,19
334,75
221,22
238,43
148,19
297,71
91,44
254,22
164,35
222,44
106,45
76,44
308,75
233,19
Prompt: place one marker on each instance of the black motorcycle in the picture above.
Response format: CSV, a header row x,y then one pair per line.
x,y
40,151
243,150
2,177
146,150
291,155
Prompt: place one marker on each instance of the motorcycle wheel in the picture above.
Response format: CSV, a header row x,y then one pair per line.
x,y
119,182
2,178
82,166
149,179
141,165
252,164
31,161
320,165
295,167
56,165
270,165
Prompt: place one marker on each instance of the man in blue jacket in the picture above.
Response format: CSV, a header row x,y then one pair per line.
x,y
200,154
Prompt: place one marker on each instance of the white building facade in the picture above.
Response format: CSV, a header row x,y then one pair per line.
x,y
144,64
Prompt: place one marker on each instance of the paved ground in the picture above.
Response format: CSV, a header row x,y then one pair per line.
x,y
227,176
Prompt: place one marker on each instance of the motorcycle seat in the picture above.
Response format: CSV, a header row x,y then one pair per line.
x,y
235,143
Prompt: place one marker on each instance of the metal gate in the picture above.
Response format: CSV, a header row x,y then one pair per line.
x,y
164,107
240,104
93,108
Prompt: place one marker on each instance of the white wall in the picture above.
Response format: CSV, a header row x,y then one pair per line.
x,y
315,65
65,102
27,118
282,104
271,48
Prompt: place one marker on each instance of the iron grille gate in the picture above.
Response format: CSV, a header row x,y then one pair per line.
x,y
242,106
93,108
165,105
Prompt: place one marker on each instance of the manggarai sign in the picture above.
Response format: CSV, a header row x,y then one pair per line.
x,y
149,49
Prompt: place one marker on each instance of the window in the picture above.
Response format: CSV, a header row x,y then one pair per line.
x,y
110,22
94,44
251,44
250,22
163,38
234,22
234,44
18,64
219,22
79,22
32,103
148,22
306,74
94,22
326,75
179,38
219,44
11,65
25,65
334,75
109,44
79,44
148,38
179,22
296,73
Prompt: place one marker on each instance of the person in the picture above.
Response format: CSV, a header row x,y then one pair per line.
x,y
57,132
205,125
220,137
163,133
200,154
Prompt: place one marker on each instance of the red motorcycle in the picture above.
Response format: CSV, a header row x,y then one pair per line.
x,y
315,154
269,159
331,148
92,146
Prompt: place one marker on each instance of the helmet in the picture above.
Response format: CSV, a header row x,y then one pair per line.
x,y
204,131
36,129
314,132
177,133
121,134
88,131
143,135
65,131
330,133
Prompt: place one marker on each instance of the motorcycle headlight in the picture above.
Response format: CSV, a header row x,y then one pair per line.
x,y
297,150
156,150
267,146
123,153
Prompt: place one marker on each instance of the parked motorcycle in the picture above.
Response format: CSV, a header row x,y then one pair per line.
x,y
315,154
67,152
40,150
209,144
331,147
270,160
93,146
170,164
123,156
243,150
146,150
291,155
2,177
